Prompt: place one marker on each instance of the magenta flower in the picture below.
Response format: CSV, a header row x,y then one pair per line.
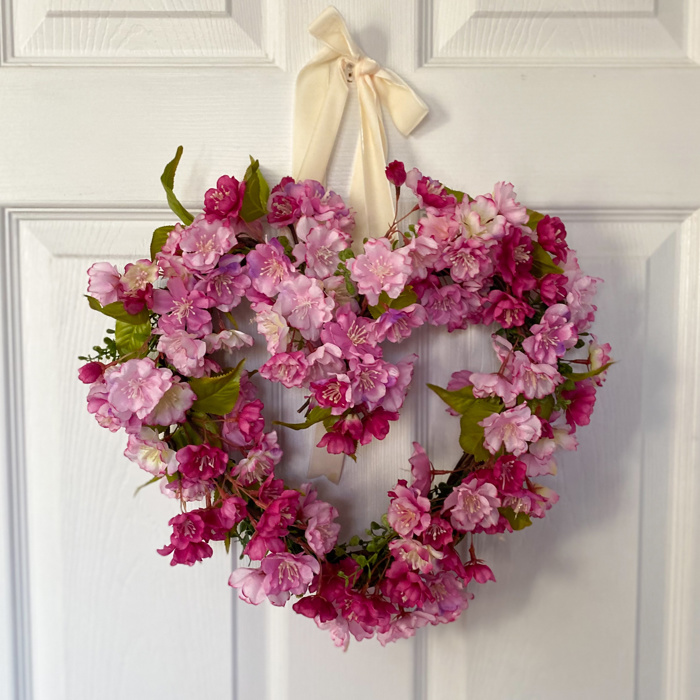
x,y
376,425
396,173
288,368
438,534
181,309
225,200
430,193
409,512
268,267
244,425
334,392
186,542
305,306
551,235
405,587
136,386
338,443
89,373
479,572
472,505
379,269
514,429
582,398
446,306
514,261
185,351
201,462
506,310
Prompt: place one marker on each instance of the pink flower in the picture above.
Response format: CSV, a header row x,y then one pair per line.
x,y
479,572
150,452
535,380
580,290
204,243
354,336
369,378
437,227
186,542
136,386
89,373
479,219
338,443
181,309
409,512
103,283
324,362
395,325
514,261
260,460
423,252
379,269
185,351
405,587
513,428
321,531
224,200
287,574
173,406
450,597
320,251
273,326
438,534
268,267
201,462
399,381
418,556
250,584
138,277
288,368
472,505
105,414
396,173
552,337
446,306
376,424
494,385
420,470
228,340
305,306
504,197
467,260
598,356
226,285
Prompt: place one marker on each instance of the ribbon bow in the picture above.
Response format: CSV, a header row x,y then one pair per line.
x,y
321,94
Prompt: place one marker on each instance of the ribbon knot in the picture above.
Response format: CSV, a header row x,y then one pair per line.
x,y
321,94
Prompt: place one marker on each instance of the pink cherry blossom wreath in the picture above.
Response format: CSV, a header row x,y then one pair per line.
x,y
325,312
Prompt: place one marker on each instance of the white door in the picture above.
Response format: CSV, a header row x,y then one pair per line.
x,y
591,107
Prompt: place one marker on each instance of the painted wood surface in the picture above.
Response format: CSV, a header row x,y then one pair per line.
x,y
590,108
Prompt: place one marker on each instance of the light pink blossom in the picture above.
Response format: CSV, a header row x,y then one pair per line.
x,y
304,304
514,429
136,386
409,512
379,269
185,351
150,452
173,406
472,505
103,283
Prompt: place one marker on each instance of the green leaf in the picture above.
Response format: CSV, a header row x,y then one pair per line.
x,y
218,394
542,407
580,376
471,437
406,298
167,179
117,310
459,196
315,415
160,236
256,193
346,254
518,521
535,218
130,337
542,263
148,483
462,400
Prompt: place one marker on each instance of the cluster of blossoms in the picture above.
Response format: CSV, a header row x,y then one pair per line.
x,y
325,309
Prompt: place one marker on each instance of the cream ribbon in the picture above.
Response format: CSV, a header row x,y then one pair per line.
x,y
321,94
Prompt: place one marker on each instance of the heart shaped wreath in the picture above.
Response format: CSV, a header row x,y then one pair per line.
x,y
325,311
